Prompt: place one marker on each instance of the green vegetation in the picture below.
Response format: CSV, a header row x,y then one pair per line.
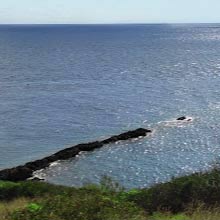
x,y
180,199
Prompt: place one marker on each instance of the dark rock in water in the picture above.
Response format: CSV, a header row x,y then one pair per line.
x,y
90,146
181,118
16,174
21,173
127,135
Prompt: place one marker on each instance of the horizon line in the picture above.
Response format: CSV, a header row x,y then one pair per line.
x,y
128,23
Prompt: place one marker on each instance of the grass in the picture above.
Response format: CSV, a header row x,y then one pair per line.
x,y
212,214
179,199
169,216
26,209
7,208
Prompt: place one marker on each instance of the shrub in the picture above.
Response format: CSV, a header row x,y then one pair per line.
x,y
179,193
80,207
110,201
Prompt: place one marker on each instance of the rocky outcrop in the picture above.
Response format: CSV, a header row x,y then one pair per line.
x,y
16,174
181,118
127,135
24,172
184,118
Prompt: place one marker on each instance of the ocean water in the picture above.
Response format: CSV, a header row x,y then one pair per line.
x,y
61,85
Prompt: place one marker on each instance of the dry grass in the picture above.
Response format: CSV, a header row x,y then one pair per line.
x,y
168,216
8,207
205,214
201,213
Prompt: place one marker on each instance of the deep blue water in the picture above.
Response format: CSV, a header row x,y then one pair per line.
x,y
62,85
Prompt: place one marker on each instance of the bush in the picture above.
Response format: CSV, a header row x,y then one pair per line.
x,y
179,193
80,206
110,201
9,190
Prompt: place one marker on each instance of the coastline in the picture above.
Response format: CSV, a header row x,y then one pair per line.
x,y
24,172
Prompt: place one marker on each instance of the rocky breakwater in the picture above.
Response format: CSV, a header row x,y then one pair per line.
x,y
24,172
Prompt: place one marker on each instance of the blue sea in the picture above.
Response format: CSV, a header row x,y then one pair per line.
x,y
61,85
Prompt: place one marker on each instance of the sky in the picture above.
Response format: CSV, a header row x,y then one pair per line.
x,y
108,11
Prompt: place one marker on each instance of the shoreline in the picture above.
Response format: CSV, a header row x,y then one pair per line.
x,y
24,172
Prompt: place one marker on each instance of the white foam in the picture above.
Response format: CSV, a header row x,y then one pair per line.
x,y
37,174
54,163
125,71
214,106
175,122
